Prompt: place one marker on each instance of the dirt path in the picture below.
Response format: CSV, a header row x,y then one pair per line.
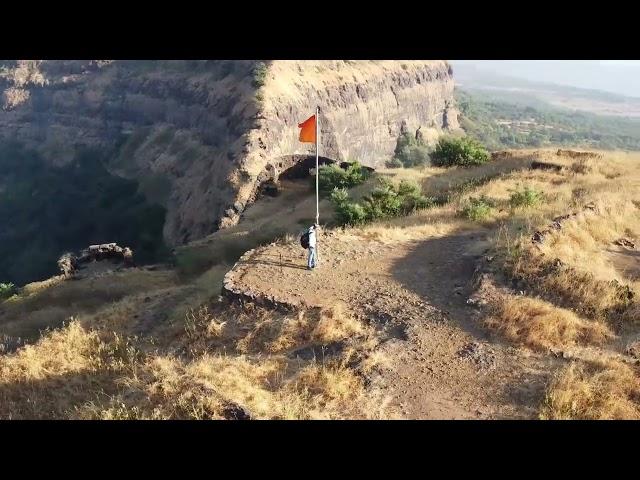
x,y
441,362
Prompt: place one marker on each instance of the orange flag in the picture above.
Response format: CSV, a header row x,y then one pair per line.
x,y
308,130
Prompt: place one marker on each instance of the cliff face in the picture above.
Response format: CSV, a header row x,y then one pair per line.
x,y
200,136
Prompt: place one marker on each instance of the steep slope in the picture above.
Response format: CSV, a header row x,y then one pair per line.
x,y
176,126
199,136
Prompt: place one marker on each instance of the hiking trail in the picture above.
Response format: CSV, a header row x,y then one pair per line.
x,y
440,363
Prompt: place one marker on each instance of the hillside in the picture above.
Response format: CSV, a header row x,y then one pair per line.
x,y
490,78
196,140
506,120
432,315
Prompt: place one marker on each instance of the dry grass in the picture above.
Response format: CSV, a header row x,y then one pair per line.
x,y
541,325
571,287
281,333
585,295
230,363
573,267
212,387
50,303
604,389
46,379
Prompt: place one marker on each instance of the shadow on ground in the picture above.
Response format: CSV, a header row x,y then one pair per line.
x,y
441,269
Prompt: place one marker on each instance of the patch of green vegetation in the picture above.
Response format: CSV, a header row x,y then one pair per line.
x,y
395,162
385,201
501,124
409,152
348,212
333,176
47,210
525,197
6,290
260,74
477,209
459,151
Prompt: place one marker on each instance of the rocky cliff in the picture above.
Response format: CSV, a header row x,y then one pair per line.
x,y
201,136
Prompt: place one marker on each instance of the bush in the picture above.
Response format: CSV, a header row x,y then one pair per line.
x,y
409,152
527,197
405,141
385,201
332,176
477,209
6,290
259,75
412,198
395,162
347,212
418,157
463,151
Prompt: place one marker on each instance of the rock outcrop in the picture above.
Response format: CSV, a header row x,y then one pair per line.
x,y
69,263
202,136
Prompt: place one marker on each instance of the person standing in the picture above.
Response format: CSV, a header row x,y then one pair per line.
x,y
313,254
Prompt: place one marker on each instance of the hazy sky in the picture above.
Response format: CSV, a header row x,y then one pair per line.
x,y
618,76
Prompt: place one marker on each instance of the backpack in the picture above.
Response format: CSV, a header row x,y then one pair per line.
x,y
304,240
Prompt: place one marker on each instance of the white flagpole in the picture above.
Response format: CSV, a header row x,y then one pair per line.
x,y
317,181
317,171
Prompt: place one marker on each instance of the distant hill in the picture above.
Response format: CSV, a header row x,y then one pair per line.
x,y
471,76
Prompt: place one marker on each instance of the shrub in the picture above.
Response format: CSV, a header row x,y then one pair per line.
x,y
385,201
332,176
527,197
259,75
477,209
409,152
339,196
418,156
463,151
412,198
405,140
347,212
395,162
6,290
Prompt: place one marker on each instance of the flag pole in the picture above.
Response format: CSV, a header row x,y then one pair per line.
x,y
317,170
317,181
